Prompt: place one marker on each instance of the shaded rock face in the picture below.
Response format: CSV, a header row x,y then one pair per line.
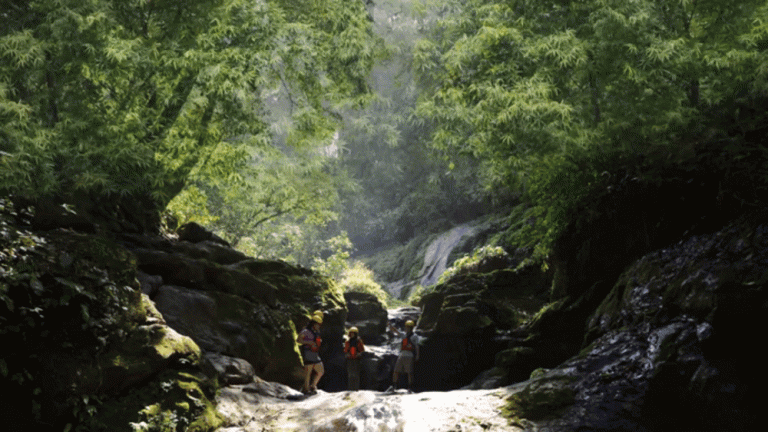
x,y
233,305
671,347
228,370
366,313
76,325
467,321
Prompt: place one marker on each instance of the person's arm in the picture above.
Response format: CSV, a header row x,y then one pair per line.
x,y
394,330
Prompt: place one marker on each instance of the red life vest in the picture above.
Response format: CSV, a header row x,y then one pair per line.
x,y
354,350
406,344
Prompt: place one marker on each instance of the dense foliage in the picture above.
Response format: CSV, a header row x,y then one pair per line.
x,y
141,97
282,208
550,94
61,298
405,187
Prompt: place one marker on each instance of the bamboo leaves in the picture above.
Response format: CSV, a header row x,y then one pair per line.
x,y
518,79
156,87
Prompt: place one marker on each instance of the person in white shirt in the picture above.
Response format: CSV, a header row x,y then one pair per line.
x,y
409,355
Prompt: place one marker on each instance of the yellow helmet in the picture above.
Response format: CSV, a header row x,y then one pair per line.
x,y
353,330
410,323
318,318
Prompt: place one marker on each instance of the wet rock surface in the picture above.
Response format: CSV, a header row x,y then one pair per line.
x,y
261,407
670,347
669,342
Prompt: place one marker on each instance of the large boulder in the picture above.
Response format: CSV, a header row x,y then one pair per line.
x,y
671,346
241,307
467,319
228,324
81,330
366,312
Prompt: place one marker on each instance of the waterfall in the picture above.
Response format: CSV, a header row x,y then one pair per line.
x,y
435,260
436,256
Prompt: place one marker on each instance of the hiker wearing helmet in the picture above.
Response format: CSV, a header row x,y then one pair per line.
x,y
409,355
353,350
309,342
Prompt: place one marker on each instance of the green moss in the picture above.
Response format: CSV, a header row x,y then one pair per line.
x,y
175,401
173,344
542,398
470,263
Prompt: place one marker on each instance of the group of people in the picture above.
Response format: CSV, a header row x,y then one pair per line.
x,y
309,341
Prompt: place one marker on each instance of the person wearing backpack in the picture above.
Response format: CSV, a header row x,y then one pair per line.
x,y
409,355
353,350
309,341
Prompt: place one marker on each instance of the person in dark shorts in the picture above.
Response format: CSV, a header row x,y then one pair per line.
x,y
309,343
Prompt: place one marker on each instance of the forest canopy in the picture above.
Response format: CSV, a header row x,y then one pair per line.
x,y
514,80
145,97
552,96
268,120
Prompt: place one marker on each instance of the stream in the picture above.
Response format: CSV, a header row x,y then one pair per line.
x,y
263,407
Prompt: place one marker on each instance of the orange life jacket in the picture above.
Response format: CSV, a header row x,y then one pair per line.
x,y
316,348
407,345
354,350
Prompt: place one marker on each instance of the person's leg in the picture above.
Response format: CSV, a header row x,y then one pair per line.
x,y
307,375
409,370
399,368
319,370
354,374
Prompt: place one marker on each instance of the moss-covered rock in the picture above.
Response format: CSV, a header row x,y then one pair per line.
x,y
173,401
81,330
542,398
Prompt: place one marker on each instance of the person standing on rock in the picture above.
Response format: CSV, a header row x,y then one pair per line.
x,y
409,355
309,342
353,351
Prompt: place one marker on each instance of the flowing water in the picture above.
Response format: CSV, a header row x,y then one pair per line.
x,y
267,408
435,260
436,256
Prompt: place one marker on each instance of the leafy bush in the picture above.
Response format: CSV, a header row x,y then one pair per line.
x,y
359,278
472,262
64,297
